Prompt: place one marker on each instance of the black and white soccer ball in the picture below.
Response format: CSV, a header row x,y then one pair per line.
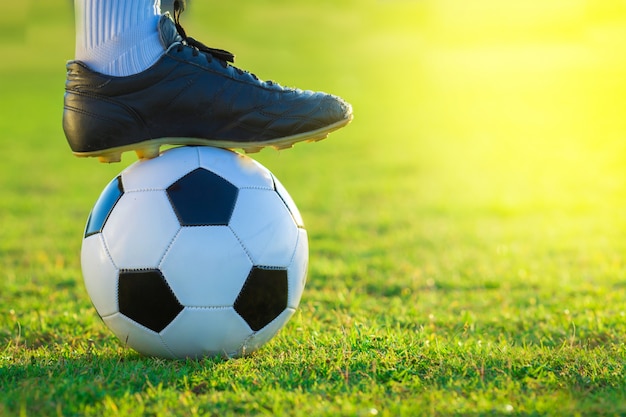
x,y
198,252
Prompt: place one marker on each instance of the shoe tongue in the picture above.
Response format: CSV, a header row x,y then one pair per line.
x,y
167,31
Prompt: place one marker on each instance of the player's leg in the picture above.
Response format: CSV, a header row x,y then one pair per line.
x,y
139,82
118,37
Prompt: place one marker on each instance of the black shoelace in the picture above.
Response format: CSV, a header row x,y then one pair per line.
x,y
222,55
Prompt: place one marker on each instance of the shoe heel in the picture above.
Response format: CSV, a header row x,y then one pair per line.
x,y
94,126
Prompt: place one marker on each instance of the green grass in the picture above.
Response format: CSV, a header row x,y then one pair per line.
x,y
467,231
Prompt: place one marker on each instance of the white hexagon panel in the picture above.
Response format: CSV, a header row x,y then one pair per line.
x,y
201,332
97,263
241,171
261,220
140,229
196,270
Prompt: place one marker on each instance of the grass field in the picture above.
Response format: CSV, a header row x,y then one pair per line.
x,y
467,231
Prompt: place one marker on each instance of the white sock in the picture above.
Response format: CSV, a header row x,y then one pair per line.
x,y
118,37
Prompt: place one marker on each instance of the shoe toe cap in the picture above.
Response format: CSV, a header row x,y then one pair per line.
x,y
337,108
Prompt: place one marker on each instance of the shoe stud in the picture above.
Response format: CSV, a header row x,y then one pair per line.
x,y
111,157
318,138
253,149
148,152
285,146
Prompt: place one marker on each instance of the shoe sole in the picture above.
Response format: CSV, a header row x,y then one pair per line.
x,y
151,148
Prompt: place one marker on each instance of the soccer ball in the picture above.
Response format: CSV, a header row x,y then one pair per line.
x,y
198,252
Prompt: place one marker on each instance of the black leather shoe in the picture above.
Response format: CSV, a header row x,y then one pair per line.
x,y
191,96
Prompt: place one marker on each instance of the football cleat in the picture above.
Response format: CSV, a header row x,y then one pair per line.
x,y
191,96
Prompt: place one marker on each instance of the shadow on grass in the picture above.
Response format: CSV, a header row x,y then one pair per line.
x,y
68,380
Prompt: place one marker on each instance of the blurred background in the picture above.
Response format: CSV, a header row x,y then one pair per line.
x,y
493,85
477,105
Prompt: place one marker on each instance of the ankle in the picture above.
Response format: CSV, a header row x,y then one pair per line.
x,y
118,38
129,53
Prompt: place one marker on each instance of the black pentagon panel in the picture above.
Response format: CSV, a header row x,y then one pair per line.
x,y
103,207
145,297
263,296
202,198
